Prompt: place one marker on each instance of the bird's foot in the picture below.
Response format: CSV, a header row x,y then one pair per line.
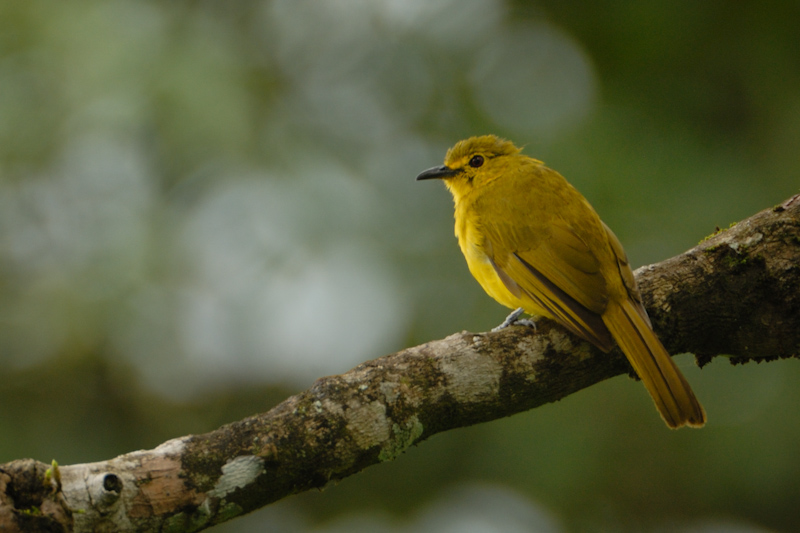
x,y
530,322
513,318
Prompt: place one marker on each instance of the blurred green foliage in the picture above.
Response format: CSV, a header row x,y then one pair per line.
x,y
204,206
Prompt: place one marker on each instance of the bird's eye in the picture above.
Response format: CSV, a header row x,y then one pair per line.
x,y
476,161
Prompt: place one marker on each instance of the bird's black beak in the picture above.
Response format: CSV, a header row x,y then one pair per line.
x,y
441,172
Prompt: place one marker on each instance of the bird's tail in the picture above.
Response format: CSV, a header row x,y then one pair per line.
x,y
664,381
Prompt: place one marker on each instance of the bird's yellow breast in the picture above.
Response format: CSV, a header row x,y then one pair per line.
x,y
479,250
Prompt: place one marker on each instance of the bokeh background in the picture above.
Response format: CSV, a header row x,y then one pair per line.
x,y
204,206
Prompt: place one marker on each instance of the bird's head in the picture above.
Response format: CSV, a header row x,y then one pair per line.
x,y
472,163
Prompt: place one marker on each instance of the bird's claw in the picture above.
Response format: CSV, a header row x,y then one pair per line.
x,y
512,319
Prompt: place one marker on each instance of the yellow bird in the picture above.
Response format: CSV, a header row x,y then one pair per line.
x,y
534,243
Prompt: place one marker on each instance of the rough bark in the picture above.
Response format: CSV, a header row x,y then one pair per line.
x,y
736,293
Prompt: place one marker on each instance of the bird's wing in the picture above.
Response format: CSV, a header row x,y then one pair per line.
x,y
627,275
559,273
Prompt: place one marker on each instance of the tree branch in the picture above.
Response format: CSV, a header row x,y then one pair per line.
x,y
736,293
